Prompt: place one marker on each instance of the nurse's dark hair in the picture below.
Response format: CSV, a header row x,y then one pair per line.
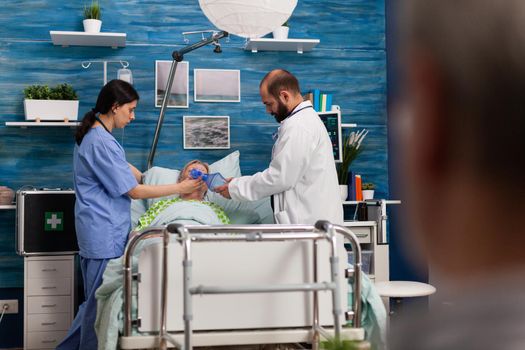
x,y
278,80
113,94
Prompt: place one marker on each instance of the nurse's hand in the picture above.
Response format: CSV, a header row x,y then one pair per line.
x,y
190,185
224,190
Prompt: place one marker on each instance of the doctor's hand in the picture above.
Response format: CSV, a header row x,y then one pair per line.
x,y
224,190
190,185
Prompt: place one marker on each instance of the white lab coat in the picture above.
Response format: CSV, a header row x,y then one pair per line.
x,y
301,175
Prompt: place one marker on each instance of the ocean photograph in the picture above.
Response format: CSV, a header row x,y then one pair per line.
x,y
178,97
217,85
206,132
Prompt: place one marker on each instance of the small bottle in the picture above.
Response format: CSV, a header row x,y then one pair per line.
x,y
212,180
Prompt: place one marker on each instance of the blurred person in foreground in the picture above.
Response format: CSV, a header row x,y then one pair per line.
x,y
463,128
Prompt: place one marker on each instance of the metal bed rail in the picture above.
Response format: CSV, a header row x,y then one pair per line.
x,y
322,230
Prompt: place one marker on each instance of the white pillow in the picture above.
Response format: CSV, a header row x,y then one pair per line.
x,y
160,176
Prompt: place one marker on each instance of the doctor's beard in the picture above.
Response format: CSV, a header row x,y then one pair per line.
x,y
282,112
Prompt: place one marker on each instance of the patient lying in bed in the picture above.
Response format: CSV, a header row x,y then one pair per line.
x,y
190,209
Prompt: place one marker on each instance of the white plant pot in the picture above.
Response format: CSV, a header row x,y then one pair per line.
x,y
281,33
368,194
92,25
344,192
54,110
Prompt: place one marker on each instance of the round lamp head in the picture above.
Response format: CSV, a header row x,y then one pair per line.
x,y
248,18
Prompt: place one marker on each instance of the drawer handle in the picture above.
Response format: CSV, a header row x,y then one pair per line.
x,y
49,270
362,235
49,341
54,287
50,305
48,323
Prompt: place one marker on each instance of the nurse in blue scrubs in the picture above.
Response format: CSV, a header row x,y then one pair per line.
x,y
104,184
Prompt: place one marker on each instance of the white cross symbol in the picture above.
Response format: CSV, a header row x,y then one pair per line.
x,y
54,221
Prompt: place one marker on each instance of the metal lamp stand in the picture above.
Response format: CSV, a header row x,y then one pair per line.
x,y
178,57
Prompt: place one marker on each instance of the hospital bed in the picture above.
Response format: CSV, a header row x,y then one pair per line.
x,y
239,284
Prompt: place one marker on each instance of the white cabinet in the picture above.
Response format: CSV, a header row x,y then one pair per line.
x,y
373,254
48,299
372,237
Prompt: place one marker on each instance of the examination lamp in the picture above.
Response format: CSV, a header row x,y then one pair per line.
x,y
244,18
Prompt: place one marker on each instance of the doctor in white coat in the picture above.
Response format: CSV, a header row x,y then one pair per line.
x,y
301,178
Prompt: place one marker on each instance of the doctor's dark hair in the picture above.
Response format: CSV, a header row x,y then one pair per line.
x,y
278,80
115,93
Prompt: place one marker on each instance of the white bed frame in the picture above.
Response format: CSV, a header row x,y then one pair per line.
x,y
240,284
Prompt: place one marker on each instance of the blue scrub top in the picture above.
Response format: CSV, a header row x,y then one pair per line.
x,y
102,179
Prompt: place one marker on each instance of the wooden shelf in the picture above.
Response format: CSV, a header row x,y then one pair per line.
x,y
42,124
7,207
268,44
113,40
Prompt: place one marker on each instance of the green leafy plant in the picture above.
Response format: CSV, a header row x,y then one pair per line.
x,y
368,186
92,11
44,92
351,149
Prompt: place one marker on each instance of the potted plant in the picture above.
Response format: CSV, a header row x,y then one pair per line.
x,y
368,190
92,22
59,103
351,149
281,33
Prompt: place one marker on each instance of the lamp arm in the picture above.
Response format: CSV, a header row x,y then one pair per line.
x,y
177,57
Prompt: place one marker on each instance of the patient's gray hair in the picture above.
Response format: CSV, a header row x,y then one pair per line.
x,y
189,165
479,48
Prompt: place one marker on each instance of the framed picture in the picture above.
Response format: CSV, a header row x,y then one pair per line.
x,y
179,90
206,132
217,85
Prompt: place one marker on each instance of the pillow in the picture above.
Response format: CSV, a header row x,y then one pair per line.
x,y
227,166
160,176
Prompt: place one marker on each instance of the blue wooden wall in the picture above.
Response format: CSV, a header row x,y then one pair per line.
x,y
350,63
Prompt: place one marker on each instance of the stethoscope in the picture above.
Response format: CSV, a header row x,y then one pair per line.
x,y
275,135
101,123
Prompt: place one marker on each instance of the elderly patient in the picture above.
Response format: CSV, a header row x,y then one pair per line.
x,y
189,208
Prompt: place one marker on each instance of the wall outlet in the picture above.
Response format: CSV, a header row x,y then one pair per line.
x,y
12,306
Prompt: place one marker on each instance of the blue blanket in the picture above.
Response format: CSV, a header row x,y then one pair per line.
x,y
373,313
